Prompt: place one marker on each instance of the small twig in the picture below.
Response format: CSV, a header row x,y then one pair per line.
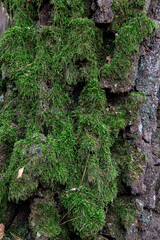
x,y
82,227
84,171
65,215
69,220
149,49
17,238
73,206
105,234
7,105
22,68
100,234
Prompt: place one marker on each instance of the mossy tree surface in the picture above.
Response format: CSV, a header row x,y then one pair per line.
x,y
132,26
59,144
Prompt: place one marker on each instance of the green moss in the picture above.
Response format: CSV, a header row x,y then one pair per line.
x,y
122,214
17,232
44,219
117,75
124,10
89,216
42,164
130,160
126,211
23,12
124,112
58,56
89,195
4,206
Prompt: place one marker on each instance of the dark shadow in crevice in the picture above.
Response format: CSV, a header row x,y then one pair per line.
x,y
104,26
115,98
124,190
107,236
145,140
76,92
108,40
12,215
45,130
75,99
49,84
107,48
81,63
108,35
104,234
90,11
21,213
73,236
127,134
45,13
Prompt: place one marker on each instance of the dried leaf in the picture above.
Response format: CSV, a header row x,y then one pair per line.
x,y
112,107
2,229
74,189
109,58
20,172
116,35
90,179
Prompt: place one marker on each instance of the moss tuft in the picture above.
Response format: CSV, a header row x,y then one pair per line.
x,y
44,219
117,75
122,214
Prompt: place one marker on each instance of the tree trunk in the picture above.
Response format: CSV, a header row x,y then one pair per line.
x,y
80,119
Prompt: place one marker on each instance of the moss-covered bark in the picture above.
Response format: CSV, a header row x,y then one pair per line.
x,y
63,140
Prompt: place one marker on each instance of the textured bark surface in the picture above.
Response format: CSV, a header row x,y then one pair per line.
x,y
148,80
4,18
103,12
145,191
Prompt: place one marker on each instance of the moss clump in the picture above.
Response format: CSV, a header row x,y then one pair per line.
x,y
126,211
122,214
124,10
87,213
130,160
17,231
39,157
94,185
23,12
124,112
44,219
117,75
44,65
